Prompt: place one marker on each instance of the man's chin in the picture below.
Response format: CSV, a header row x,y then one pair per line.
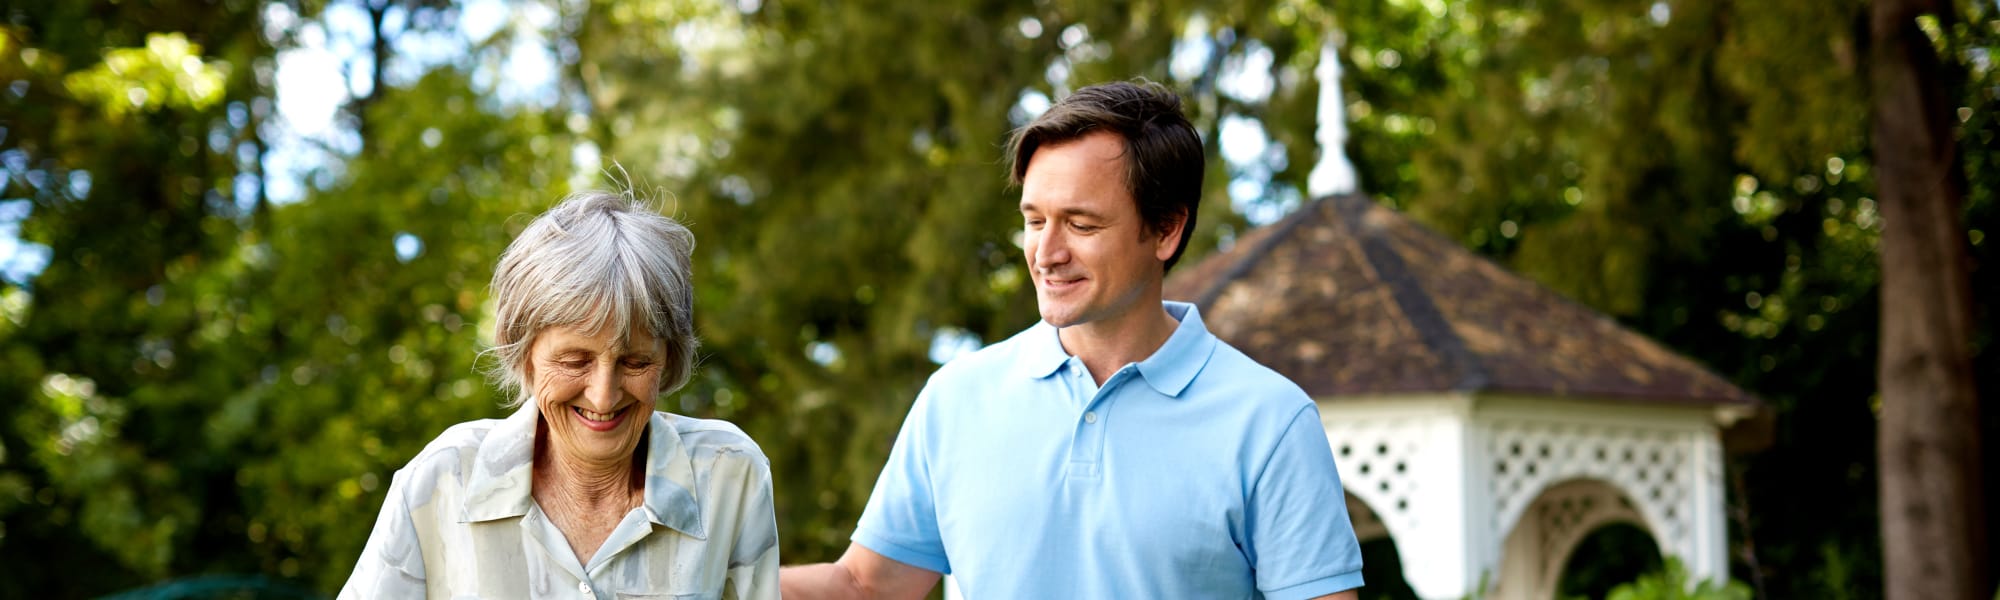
x,y
1059,318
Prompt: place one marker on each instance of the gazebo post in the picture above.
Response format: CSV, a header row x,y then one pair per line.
x,y
1709,558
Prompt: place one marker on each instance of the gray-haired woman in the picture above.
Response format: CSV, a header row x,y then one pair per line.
x,y
586,491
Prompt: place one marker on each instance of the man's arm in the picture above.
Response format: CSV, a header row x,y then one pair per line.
x,y
1354,594
860,574
1301,542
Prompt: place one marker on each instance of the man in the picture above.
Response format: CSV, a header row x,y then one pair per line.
x,y
1116,449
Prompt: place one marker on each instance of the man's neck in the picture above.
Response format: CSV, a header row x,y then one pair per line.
x,y
1107,345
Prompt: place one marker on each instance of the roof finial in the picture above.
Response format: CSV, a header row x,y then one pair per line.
x,y
1334,174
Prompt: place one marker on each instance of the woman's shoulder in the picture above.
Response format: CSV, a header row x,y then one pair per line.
x,y
451,452
715,437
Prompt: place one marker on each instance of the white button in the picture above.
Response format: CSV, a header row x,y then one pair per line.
x,y
1090,417
583,587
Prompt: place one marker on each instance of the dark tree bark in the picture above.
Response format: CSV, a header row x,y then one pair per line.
x,y
1933,526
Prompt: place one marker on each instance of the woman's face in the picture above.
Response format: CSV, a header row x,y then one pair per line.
x,y
596,390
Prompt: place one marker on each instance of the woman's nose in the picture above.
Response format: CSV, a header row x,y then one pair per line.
x,y
603,393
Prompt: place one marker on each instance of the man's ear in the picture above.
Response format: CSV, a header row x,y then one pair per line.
x,y
1169,239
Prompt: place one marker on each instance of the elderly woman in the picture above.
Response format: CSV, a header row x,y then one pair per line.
x,y
586,491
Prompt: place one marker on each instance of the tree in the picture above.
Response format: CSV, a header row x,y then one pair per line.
x,y
1933,516
212,382
1716,160
122,148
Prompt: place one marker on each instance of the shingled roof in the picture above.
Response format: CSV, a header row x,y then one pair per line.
x,y
1349,298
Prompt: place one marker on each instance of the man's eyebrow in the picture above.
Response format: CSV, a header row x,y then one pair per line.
x,y
1070,211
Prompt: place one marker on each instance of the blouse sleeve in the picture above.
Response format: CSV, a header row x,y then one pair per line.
x,y
392,564
753,565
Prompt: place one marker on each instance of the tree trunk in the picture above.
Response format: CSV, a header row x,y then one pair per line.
x,y
1933,526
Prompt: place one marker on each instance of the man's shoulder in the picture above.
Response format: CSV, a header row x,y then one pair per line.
x,y
982,366
1231,372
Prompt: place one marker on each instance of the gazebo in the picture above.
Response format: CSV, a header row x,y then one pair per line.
x,y
1482,422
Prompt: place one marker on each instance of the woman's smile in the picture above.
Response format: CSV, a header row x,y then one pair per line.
x,y
598,421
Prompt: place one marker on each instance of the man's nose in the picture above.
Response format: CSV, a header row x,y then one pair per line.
x,y
1051,248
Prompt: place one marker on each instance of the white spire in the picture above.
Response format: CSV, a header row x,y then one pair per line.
x,y
1333,174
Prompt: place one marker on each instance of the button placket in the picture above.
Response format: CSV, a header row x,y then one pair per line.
x,y
1087,441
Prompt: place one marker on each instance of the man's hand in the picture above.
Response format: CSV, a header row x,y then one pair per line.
x,y
860,574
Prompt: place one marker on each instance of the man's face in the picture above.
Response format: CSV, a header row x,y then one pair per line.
x,y
1090,254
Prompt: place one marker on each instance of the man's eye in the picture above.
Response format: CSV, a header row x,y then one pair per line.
x,y
1035,223
1085,228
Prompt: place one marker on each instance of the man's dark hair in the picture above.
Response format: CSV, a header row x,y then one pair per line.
x,y
1163,154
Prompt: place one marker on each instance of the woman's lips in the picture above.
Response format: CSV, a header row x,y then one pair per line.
x,y
597,421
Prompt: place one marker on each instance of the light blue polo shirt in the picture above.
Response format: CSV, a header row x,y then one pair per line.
x,y
1196,473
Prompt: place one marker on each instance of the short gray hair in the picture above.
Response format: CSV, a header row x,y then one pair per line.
x,y
597,258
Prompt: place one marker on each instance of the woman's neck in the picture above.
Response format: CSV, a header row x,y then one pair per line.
x,y
588,484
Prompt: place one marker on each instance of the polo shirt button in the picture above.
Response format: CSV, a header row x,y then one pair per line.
x,y
1090,417
583,587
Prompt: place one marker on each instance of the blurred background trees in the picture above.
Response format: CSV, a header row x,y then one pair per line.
x,y
223,325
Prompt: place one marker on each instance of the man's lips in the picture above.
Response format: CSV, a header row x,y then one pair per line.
x,y
1060,282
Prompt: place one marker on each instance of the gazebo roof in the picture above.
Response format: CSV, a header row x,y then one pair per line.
x,y
1349,298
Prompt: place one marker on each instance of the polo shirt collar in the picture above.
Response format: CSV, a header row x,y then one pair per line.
x,y
1042,353
1169,370
502,474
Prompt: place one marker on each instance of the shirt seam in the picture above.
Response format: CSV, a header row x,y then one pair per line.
x,y
899,552
1265,467
1331,584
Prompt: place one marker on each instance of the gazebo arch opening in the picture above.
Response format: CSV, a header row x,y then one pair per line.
x,y
1381,561
1612,554
1543,542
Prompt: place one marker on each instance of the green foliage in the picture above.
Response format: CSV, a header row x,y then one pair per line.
x,y
1671,583
1609,556
211,382
166,74
100,448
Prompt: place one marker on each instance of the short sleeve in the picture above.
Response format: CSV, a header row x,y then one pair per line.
x,y
391,564
753,567
1301,542
900,521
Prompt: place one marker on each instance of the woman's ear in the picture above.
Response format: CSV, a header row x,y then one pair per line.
x,y
528,372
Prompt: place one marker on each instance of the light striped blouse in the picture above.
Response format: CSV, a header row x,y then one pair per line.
x,y
459,522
